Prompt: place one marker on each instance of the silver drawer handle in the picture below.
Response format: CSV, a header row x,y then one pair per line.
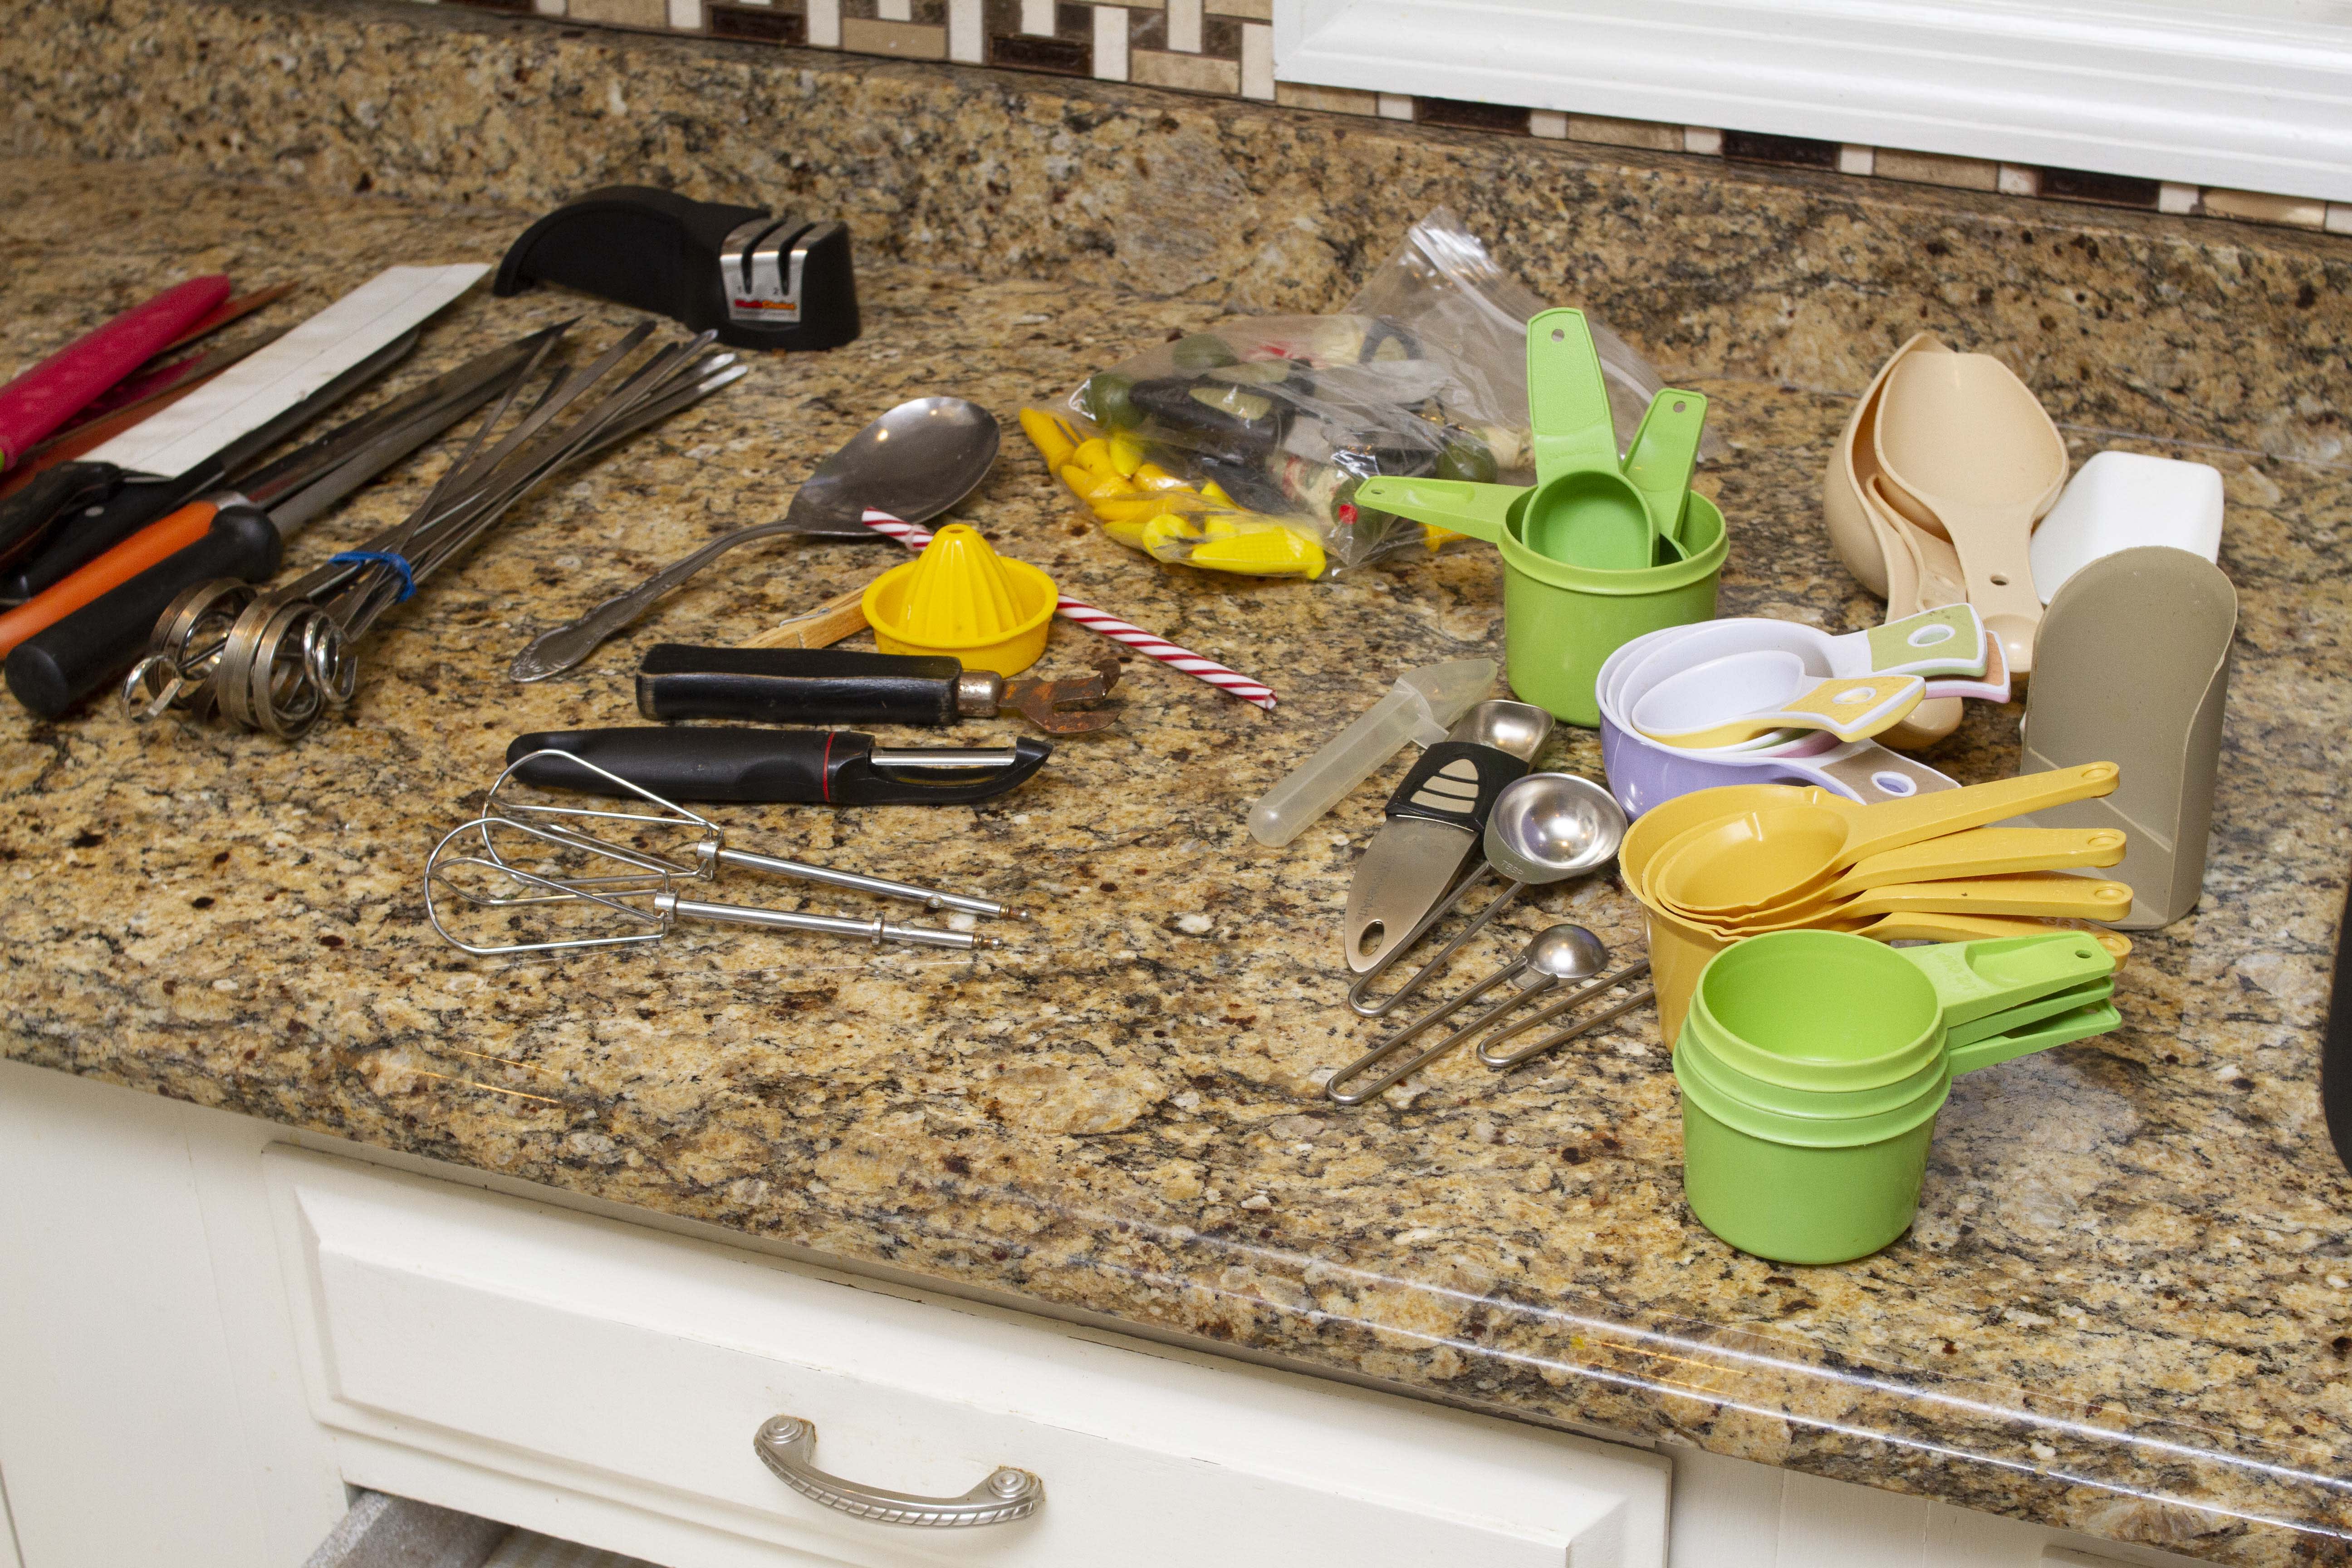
x,y
787,1444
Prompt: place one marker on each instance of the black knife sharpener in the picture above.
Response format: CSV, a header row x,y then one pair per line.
x,y
760,281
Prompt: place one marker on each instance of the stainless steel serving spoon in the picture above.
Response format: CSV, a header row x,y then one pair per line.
x,y
915,462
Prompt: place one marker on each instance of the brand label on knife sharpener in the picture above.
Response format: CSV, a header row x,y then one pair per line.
x,y
760,269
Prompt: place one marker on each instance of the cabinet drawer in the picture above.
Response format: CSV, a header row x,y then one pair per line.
x,y
612,1378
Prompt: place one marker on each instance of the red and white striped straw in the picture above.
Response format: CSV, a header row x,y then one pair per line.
x,y
1110,626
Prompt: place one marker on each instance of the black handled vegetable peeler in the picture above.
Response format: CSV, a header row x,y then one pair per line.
x,y
806,767
840,686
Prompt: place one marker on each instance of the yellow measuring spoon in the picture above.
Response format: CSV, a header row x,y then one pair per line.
x,y
1782,853
1973,852
2042,895
1913,925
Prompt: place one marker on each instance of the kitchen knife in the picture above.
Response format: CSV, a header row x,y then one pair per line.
x,y
806,767
228,310
162,372
61,385
838,686
92,625
195,442
63,535
1434,821
81,436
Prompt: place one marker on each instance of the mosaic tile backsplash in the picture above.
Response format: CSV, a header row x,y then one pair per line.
x,y
1226,48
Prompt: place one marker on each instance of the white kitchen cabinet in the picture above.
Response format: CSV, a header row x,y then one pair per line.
x,y
449,1334
210,1327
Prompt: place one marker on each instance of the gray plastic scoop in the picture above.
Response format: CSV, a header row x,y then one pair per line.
x,y
1545,828
2133,668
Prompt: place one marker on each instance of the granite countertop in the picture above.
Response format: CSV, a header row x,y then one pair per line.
x,y
2125,1308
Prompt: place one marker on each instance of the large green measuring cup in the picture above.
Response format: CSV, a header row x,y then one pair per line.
x,y
1594,555
1561,623
1813,1063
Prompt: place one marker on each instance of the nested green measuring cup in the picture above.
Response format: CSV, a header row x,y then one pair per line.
x,y
1584,511
1595,553
1811,1066
1561,623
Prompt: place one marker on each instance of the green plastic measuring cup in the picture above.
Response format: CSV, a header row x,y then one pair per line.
x,y
1583,511
1811,1066
1593,555
1561,623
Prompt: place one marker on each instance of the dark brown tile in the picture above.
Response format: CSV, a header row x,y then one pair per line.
x,y
1459,115
1802,152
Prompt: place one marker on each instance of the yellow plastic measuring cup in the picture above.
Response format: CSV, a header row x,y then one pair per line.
x,y
1783,853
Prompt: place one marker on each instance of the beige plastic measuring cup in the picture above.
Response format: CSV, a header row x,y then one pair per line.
x,y
1783,853
1959,436
1928,574
1875,543
1972,852
1860,540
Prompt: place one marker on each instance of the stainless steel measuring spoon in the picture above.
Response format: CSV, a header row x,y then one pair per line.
x,y
1545,828
1558,953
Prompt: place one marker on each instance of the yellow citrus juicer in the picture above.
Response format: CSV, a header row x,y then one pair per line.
x,y
961,598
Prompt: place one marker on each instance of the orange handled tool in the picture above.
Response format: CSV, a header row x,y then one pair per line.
x,y
150,546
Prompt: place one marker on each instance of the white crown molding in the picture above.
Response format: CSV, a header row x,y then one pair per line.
x,y
2259,99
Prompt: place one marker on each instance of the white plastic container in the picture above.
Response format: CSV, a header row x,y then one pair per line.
x,y
2122,500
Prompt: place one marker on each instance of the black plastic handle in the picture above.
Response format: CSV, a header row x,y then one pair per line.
x,y
82,537
796,685
1455,782
33,515
55,669
2335,1043
803,767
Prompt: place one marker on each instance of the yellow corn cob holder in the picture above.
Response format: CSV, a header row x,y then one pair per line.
x,y
1146,507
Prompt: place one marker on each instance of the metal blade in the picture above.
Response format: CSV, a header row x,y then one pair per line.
x,y
241,454
1411,863
1067,706
300,508
440,402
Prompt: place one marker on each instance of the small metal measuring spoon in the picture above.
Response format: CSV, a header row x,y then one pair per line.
x,y
1545,828
1558,953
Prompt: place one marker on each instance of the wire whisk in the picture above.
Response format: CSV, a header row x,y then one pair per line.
x,y
280,658
632,870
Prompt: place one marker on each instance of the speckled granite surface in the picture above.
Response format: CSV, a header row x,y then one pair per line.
x,y
2126,1307
2124,320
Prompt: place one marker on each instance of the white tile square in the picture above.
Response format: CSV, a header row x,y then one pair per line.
x,y
1258,60
1110,43
1184,26
966,28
